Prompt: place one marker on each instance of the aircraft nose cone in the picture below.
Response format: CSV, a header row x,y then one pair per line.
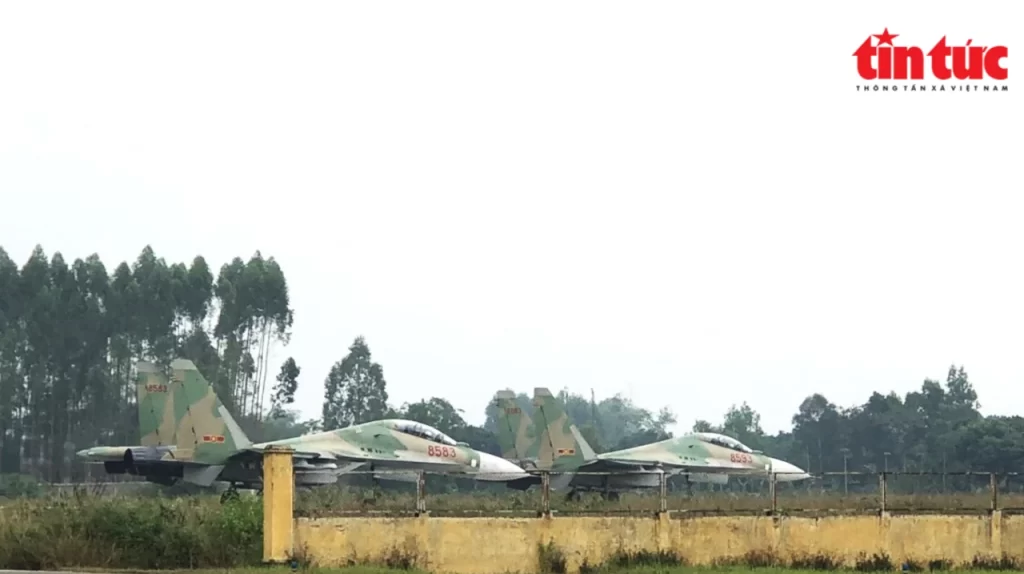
x,y
497,469
788,472
83,453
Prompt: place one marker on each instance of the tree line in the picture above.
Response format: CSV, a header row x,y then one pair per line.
x,y
937,428
70,333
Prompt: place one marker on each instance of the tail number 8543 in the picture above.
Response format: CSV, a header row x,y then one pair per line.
x,y
441,451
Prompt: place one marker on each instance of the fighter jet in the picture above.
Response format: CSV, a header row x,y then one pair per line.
x,y
188,435
556,445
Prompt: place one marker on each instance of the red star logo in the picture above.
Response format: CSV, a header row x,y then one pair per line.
x,y
885,37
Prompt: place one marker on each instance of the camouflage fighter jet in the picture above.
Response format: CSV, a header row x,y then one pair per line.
x,y
557,446
188,435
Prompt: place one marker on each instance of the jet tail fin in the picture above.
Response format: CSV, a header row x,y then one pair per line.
x,y
588,452
187,414
514,426
156,424
561,446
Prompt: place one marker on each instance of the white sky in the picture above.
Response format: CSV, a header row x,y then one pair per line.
x,y
689,204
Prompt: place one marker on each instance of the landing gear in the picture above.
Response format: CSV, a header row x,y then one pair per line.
x,y
574,496
231,494
608,493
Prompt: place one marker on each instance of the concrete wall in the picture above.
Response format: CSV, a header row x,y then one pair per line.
x,y
484,545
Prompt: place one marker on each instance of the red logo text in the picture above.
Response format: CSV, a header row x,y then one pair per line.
x,y
886,61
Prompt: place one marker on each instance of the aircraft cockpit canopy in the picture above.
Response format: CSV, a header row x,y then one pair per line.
x,y
423,431
723,441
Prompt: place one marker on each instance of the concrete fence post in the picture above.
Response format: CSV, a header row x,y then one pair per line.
x,y
993,485
545,492
883,483
421,492
278,504
663,495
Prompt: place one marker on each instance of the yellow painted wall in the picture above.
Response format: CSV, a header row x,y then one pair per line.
x,y
485,545
278,501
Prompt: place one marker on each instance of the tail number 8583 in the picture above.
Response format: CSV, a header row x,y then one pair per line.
x,y
441,451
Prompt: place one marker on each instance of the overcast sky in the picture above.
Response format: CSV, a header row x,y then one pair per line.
x,y
690,205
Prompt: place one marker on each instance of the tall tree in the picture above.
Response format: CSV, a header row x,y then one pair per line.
x,y
436,412
817,427
744,424
253,315
71,333
355,390
701,425
287,384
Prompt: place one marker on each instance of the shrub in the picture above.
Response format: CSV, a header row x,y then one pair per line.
x,y
126,532
20,485
551,558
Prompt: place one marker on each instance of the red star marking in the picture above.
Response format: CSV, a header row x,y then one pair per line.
x,y
885,37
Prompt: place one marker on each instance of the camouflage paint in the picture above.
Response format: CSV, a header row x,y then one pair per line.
x,y
552,442
205,431
151,389
563,448
557,448
382,444
185,413
516,433
183,422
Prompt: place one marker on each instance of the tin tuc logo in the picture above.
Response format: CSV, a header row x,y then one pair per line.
x,y
878,58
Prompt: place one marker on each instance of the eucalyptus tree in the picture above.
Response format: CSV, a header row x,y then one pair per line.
x,y
70,333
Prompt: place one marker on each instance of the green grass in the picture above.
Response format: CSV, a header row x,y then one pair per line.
x,y
345,500
80,531
342,500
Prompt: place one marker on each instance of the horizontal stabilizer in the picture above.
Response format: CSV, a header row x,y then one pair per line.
x,y
351,467
201,475
561,481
